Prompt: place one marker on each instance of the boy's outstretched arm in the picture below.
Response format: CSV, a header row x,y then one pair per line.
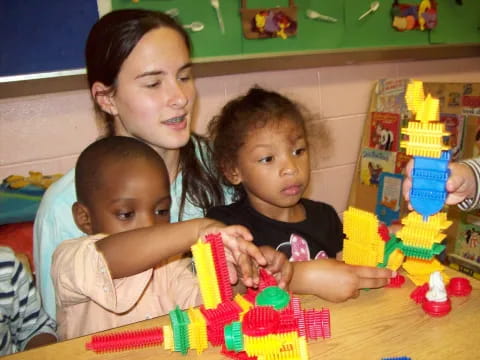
x,y
132,252
334,280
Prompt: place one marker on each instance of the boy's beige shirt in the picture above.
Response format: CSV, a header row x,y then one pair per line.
x,y
89,300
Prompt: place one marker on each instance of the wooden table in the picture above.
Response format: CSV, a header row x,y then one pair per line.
x,y
380,323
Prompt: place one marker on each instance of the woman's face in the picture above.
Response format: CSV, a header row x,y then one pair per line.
x,y
155,92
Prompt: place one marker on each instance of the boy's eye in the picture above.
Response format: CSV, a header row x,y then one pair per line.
x,y
299,151
266,159
125,215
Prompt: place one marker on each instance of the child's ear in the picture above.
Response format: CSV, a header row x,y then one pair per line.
x,y
104,98
81,215
233,175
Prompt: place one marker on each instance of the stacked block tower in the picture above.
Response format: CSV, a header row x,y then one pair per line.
x,y
414,247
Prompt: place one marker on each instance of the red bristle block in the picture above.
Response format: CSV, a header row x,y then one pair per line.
x,y
217,318
418,294
266,279
397,281
126,340
459,286
250,295
242,355
221,269
261,320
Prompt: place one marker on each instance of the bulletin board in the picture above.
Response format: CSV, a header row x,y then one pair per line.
x,y
43,36
459,110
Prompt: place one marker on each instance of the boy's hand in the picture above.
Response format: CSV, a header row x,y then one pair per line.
x,y
336,281
278,265
239,250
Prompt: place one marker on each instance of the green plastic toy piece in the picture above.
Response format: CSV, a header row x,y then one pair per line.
x,y
273,296
179,320
234,336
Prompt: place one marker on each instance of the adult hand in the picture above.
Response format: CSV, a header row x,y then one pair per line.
x,y
460,184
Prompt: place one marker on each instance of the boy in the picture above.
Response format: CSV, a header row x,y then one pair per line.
x,y
123,271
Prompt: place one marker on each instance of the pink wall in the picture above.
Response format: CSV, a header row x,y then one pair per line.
x,y
47,132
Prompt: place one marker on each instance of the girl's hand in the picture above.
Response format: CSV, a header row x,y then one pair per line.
x,y
460,184
278,265
240,252
336,281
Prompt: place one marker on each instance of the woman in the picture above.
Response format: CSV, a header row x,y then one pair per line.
x,y
140,78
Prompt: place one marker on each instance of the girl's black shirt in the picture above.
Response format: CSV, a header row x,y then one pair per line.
x,y
319,235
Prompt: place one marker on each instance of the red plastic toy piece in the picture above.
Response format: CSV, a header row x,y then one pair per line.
x,y
242,355
418,295
266,279
261,320
397,281
459,286
126,340
217,318
383,232
437,309
221,269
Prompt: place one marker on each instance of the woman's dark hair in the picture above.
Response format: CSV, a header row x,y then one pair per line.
x,y
109,43
238,117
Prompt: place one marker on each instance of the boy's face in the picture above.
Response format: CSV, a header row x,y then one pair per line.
x,y
273,166
133,193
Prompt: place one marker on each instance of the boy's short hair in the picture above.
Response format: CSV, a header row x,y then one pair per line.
x,y
98,156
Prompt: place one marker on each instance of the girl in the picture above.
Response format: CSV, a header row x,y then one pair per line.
x,y
261,149
140,78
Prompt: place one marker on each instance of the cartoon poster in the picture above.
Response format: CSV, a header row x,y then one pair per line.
x,y
385,131
389,197
401,162
467,244
455,125
391,96
373,162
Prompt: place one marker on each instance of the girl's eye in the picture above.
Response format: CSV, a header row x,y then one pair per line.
x,y
162,212
299,151
266,159
125,215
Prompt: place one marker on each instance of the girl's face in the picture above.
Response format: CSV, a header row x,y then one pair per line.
x,y
155,91
273,166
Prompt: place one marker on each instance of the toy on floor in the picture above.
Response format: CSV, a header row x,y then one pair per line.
x,y
415,246
267,323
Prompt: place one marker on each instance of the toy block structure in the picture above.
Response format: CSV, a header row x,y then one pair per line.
x,y
417,243
267,323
